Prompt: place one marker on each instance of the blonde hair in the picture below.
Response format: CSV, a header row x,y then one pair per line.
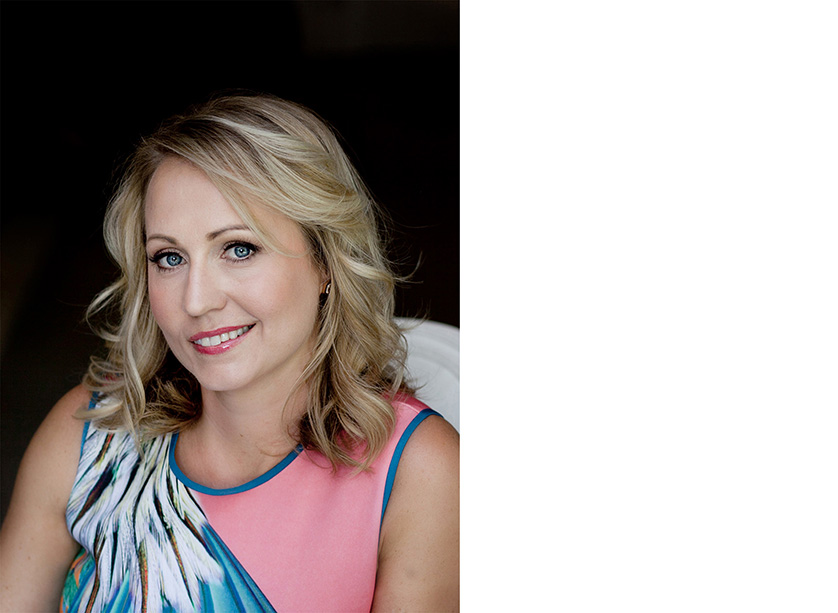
x,y
260,151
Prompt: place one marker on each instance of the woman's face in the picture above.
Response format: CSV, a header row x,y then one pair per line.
x,y
236,314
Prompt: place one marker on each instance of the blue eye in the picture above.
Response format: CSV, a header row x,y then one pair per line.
x,y
240,251
167,260
172,259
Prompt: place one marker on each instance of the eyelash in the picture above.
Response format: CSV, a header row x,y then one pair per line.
x,y
159,256
253,249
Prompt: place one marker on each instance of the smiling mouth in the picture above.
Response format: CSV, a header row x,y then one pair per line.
x,y
214,341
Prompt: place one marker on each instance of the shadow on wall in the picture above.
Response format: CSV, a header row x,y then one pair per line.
x,y
77,98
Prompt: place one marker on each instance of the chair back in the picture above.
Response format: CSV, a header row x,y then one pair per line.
x,y
433,365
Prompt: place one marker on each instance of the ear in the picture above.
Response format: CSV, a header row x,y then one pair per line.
x,y
325,277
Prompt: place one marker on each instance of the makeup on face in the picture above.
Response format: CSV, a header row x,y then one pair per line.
x,y
219,341
237,314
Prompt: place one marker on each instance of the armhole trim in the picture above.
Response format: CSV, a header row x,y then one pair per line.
x,y
90,406
397,454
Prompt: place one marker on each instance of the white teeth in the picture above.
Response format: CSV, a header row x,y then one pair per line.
x,y
212,341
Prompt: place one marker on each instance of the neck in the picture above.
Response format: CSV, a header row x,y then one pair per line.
x,y
250,423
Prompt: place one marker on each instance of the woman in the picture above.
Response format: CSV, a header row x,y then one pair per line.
x,y
249,442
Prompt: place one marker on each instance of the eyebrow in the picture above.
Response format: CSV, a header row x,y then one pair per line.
x,y
211,236
215,234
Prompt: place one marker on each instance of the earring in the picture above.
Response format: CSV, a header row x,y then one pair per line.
x,y
325,293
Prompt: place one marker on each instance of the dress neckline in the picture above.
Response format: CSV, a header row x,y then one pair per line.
x,y
255,482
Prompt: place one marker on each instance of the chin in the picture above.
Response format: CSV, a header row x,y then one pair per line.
x,y
220,384
217,380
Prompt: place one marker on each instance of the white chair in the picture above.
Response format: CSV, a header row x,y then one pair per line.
x,y
433,365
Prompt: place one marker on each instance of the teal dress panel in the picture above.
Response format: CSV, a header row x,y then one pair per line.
x,y
146,544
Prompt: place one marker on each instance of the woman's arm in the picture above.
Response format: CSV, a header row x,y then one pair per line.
x,y
419,553
35,546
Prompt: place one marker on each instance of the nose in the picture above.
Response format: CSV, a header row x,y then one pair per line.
x,y
203,291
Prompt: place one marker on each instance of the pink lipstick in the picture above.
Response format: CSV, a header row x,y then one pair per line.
x,y
220,340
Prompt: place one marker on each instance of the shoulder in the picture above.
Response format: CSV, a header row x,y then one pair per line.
x,y
427,450
428,465
54,450
419,548
36,545
63,425
431,446
68,407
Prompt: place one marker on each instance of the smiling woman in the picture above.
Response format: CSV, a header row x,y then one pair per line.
x,y
248,440
208,277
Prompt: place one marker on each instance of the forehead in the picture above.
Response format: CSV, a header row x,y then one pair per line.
x,y
179,193
182,200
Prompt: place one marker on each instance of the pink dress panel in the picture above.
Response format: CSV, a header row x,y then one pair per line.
x,y
307,536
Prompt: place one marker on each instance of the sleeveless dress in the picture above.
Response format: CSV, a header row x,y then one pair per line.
x,y
298,538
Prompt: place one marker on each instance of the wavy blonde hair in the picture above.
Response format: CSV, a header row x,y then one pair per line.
x,y
259,151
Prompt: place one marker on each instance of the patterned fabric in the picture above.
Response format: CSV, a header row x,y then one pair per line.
x,y
154,541
146,544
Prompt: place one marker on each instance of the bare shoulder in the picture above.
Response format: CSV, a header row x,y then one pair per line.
x,y
58,439
48,467
35,545
428,471
419,548
64,414
434,435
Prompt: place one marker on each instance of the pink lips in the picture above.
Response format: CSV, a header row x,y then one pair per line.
x,y
218,345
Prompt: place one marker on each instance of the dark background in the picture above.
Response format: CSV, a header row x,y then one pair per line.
x,y
82,81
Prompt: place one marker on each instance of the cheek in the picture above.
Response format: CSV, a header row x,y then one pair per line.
x,y
292,298
293,288
159,303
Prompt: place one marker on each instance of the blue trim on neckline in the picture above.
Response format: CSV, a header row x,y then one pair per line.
x,y
229,490
397,454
